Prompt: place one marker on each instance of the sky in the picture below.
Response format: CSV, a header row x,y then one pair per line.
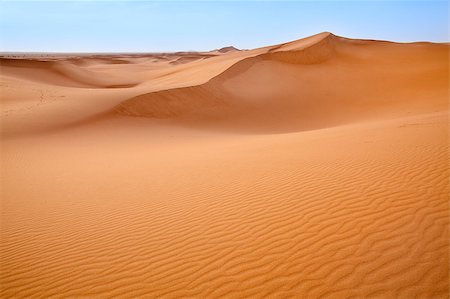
x,y
168,26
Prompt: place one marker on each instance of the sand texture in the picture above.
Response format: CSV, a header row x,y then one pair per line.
x,y
317,168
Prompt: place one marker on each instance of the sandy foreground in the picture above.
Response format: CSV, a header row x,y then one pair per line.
x,y
312,169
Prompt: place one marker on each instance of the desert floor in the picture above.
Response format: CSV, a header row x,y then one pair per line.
x,y
312,169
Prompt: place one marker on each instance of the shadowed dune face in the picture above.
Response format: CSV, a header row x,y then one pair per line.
x,y
311,169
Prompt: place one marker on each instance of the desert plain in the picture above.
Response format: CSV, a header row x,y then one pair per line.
x,y
316,168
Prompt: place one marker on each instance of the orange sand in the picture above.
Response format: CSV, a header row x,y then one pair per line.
x,y
312,169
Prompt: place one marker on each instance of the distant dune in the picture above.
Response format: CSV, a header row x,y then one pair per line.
x,y
62,73
317,168
227,49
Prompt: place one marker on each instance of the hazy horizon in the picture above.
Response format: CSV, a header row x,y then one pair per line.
x,y
153,26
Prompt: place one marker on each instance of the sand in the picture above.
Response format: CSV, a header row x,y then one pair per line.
x,y
316,168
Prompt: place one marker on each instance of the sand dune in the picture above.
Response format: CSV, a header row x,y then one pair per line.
x,y
316,168
250,95
61,73
227,49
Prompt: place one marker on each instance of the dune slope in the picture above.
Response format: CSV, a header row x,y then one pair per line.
x,y
63,73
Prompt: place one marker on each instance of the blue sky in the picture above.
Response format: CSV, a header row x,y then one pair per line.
x,y
151,26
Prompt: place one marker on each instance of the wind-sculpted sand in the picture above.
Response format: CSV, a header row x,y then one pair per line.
x,y
312,169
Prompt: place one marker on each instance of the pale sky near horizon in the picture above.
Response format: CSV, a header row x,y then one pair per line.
x,y
164,26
